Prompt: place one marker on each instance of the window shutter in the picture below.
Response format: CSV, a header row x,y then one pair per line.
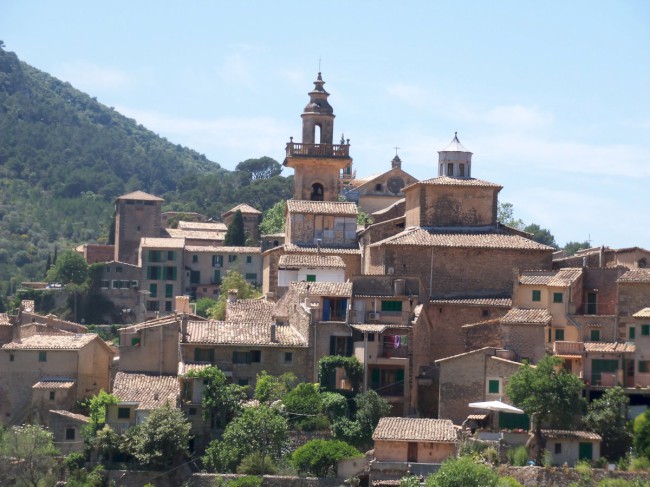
x,y
332,345
349,347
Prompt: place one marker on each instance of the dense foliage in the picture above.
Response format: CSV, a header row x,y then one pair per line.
x,y
319,457
607,416
463,472
27,454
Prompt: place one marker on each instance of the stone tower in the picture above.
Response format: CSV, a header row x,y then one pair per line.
x,y
318,163
454,160
137,215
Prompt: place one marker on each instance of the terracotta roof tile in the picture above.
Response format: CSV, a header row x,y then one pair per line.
x,y
635,275
322,207
52,342
185,367
209,226
244,208
139,195
422,238
497,302
4,319
162,243
77,417
565,277
249,311
528,316
447,181
196,234
310,260
537,278
299,249
214,249
609,347
343,289
229,333
149,391
54,384
644,313
571,435
415,429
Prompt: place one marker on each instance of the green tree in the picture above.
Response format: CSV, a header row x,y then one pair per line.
x,y
304,405
162,438
463,472
236,235
274,219
232,280
548,393
505,215
319,457
204,305
270,388
572,247
32,451
262,168
370,408
541,235
70,268
220,400
641,431
607,416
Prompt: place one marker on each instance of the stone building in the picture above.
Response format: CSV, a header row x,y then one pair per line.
x,y
137,215
251,217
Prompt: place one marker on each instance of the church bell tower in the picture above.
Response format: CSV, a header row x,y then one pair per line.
x,y
318,163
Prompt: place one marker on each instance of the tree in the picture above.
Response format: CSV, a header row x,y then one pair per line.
x,y
236,236
162,438
304,405
572,247
32,449
204,305
270,388
463,472
370,408
319,457
258,429
274,219
69,268
232,280
262,168
548,394
541,235
505,215
642,434
607,416
219,398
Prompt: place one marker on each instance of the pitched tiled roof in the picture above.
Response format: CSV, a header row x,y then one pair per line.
x,y
185,367
609,347
447,181
299,249
343,289
571,435
196,234
54,384
528,316
250,310
322,207
77,417
244,208
496,302
212,249
565,277
52,342
415,429
162,243
139,195
537,278
644,313
149,391
229,333
310,260
211,226
635,275
494,321
422,238
4,319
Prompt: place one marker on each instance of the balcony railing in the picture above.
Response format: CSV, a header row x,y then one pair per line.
x,y
390,390
568,348
295,149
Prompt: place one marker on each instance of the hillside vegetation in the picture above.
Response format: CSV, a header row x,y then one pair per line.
x,y
64,157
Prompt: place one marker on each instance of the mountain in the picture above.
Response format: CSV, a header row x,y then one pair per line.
x,y
64,157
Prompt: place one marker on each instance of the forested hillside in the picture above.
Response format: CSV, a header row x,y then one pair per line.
x,y
64,158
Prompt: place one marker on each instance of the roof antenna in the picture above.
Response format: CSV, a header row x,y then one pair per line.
x,y
319,64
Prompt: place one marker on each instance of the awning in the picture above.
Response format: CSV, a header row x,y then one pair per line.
x,y
496,406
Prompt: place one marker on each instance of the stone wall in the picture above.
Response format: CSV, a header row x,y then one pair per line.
x,y
485,334
208,480
604,281
562,477
632,297
526,340
450,206
462,380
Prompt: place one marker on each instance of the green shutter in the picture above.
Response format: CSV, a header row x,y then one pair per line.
x,y
493,386
537,295
585,451
311,278
332,345
399,376
631,332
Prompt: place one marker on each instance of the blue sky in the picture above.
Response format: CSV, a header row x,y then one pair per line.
x,y
551,97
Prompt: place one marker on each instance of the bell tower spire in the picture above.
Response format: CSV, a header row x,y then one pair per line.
x,y
318,115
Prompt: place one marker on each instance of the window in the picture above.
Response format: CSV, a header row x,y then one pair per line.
x,y
450,169
317,192
216,278
123,413
311,277
153,306
134,284
485,313
153,272
631,332
239,357
645,330
251,276
256,356
217,261
537,295
192,411
169,290
195,259
592,301
395,306
11,357
288,357
558,448
461,170
232,258
559,334
154,256
204,355
108,269
243,382
557,297
494,386
170,273
135,342
105,284
171,255
52,395
378,187
70,434
594,336
168,305
42,356
118,268
195,277
644,366
341,345
249,259
153,290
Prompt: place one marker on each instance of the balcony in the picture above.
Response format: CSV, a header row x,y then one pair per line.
x,y
568,348
295,149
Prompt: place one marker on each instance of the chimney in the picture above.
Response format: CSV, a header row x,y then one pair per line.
x,y
27,305
232,295
184,327
182,304
274,328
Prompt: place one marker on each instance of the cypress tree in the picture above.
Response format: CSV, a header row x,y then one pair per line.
x,y
235,236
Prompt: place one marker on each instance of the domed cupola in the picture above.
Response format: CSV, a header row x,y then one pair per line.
x,y
318,114
455,161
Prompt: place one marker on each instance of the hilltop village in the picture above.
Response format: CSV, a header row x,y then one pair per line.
x,y
438,302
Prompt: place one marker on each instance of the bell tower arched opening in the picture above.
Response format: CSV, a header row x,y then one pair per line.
x,y
317,192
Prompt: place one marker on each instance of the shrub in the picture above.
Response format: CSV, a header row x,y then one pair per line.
x,y
335,405
518,457
508,482
253,465
463,472
491,455
319,457
410,481
639,464
74,461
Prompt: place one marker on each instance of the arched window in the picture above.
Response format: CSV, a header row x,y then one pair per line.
x,y
317,192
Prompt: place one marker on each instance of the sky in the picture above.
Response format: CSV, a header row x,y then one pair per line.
x,y
552,98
